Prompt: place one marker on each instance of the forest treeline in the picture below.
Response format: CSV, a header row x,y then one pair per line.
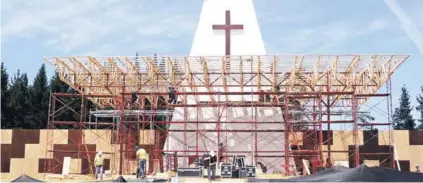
x,y
27,106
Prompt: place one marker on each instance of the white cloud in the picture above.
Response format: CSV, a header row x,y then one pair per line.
x,y
71,24
328,37
275,17
407,23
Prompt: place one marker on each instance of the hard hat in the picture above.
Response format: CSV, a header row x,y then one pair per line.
x,y
100,153
211,153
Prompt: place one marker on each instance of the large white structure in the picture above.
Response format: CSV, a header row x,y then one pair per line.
x,y
229,27
211,42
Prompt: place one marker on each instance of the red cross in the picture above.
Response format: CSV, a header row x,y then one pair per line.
x,y
228,27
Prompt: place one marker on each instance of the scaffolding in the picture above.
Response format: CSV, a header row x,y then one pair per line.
x,y
278,95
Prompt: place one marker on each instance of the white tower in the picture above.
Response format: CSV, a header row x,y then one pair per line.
x,y
209,40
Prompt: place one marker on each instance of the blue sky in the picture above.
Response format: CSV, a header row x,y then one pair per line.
x,y
32,29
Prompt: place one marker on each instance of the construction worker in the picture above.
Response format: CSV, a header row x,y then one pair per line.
x,y
211,168
142,157
99,163
172,95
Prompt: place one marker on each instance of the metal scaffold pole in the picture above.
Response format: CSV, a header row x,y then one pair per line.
x,y
320,84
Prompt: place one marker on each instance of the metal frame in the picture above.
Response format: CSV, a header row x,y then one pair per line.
x,y
322,84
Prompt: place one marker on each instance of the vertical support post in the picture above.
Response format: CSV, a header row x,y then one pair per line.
x,y
392,153
218,129
355,131
47,166
328,105
82,115
197,135
320,127
156,136
185,129
143,124
81,125
315,123
54,109
286,131
89,119
168,140
226,138
255,136
122,129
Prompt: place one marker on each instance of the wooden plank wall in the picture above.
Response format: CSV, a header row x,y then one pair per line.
x,y
24,151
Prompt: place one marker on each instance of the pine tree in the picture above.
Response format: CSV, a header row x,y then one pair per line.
x,y
19,103
362,118
420,108
366,118
74,103
40,99
403,120
58,86
5,119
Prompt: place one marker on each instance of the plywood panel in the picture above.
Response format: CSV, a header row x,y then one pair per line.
x,y
341,141
114,160
416,137
371,163
415,157
6,151
101,138
75,166
6,136
147,137
6,177
40,149
401,143
18,166
36,151
296,138
385,137
54,136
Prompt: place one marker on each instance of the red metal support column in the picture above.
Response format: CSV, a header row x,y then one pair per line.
x,y
185,131
390,126
328,106
320,127
51,114
197,135
121,130
286,133
226,138
255,135
355,131
218,129
315,130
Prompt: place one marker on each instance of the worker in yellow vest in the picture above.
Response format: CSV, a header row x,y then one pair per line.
x,y
99,163
142,157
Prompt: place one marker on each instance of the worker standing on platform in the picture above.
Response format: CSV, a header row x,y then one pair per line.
x,y
142,157
99,163
172,95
